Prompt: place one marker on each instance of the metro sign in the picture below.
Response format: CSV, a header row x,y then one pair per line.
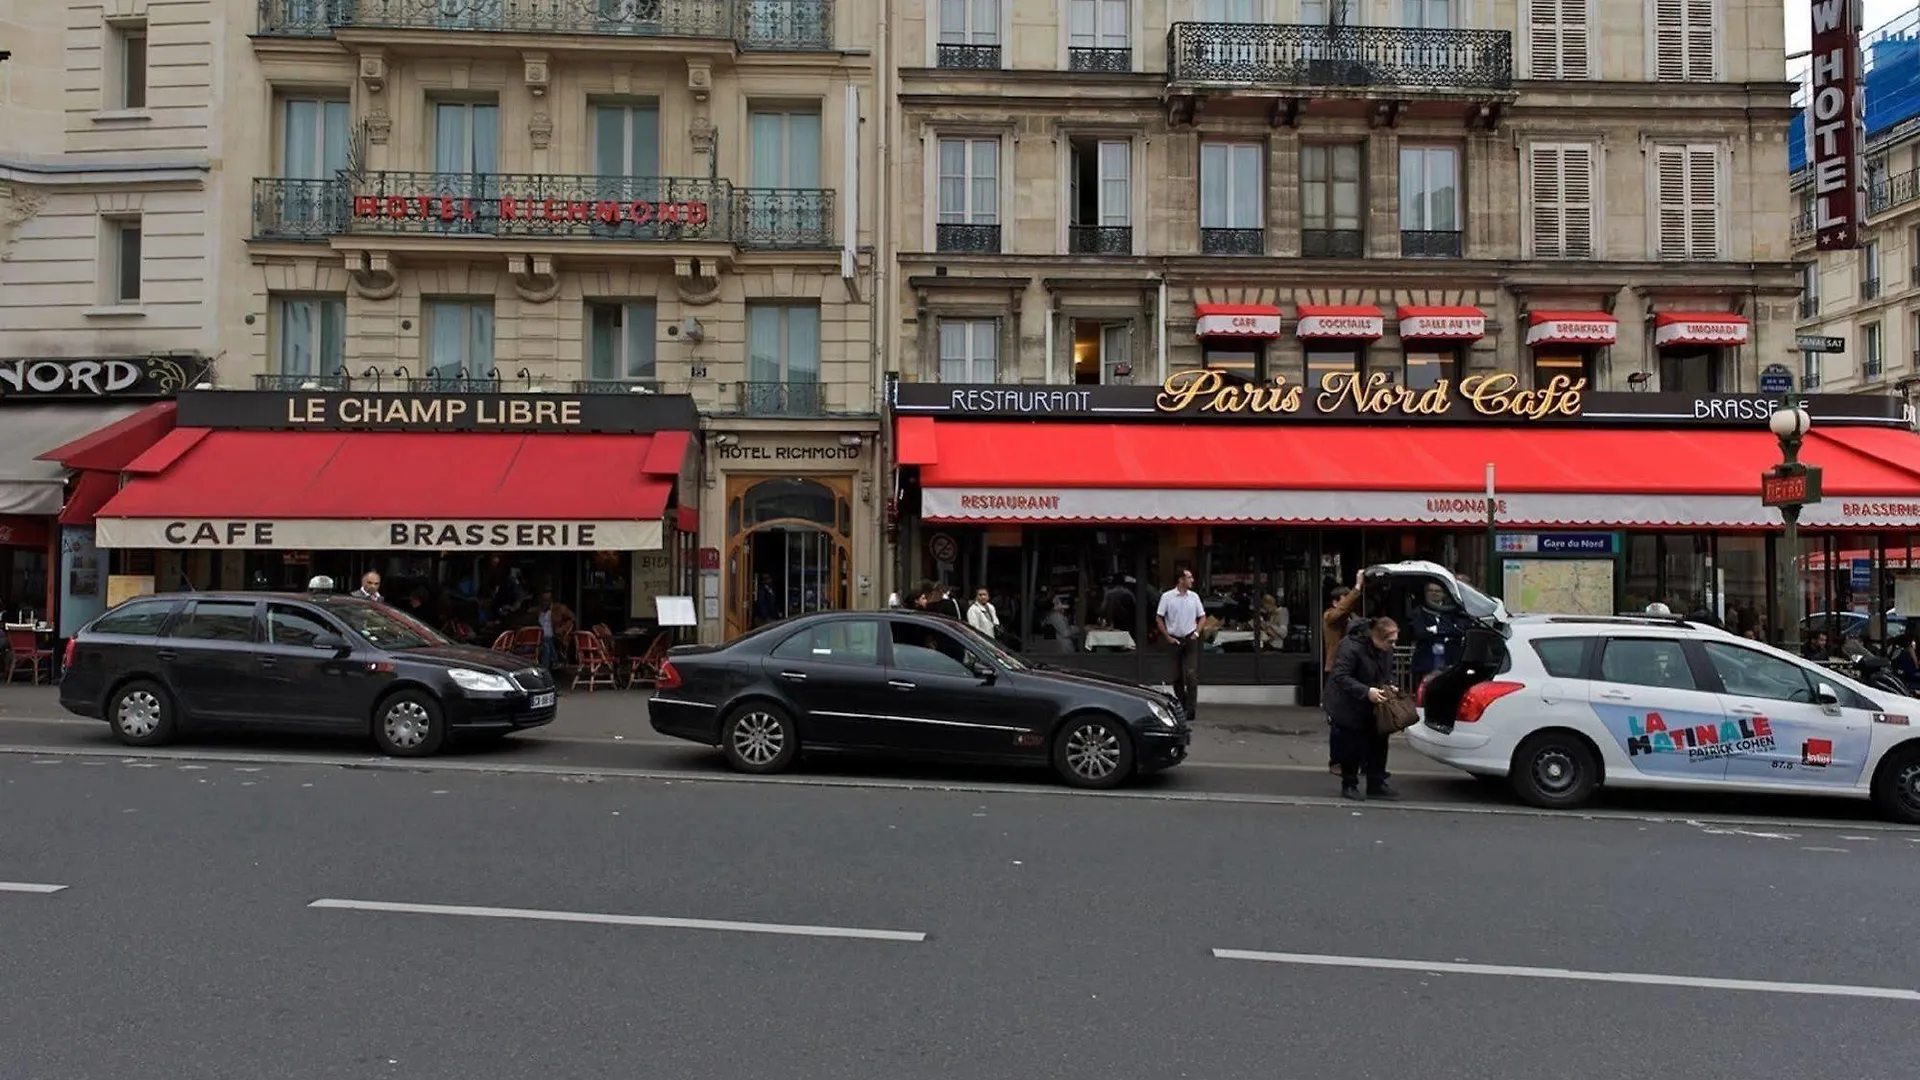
x,y
1799,487
1836,126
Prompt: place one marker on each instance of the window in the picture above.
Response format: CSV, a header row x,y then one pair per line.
x,y
933,652
1325,357
1330,202
969,184
1232,194
1429,200
783,205
1427,14
1564,658
1809,370
291,626
1913,245
309,334
1872,355
120,260
1870,270
620,341
1097,35
1102,352
1751,673
1683,46
783,344
127,78
1547,364
1426,369
969,350
466,147
217,620
969,34
834,643
1687,183
1561,184
313,137
626,140
459,335
1246,361
1644,662
1557,42
1810,286
1238,11
1101,193
1690,369
140,618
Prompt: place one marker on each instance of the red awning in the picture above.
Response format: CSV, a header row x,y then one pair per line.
x,y
1572,328
91,490
1441,323
1699,328
1236,320
113,446
1359,321
914,441
304,480
1544,477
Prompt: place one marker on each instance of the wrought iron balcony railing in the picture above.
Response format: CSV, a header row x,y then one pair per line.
x,y
286,209
953,54
1872,367
1233,241
795,397
753,24
656,208
1430,244
1887,192
1332,243
1809,306
1079,59
1870,288
1100,239
449,380
1277,56
292,382
616,386
783,218
980,239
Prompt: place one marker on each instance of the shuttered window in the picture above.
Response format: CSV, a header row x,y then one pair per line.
x,y
1687,190
1683,40
1560,186
1557,39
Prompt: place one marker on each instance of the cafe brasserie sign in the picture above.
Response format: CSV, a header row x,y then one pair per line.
x,y
1489,398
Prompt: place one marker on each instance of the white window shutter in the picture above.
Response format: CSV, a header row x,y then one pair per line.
x,y
1669,40
1703,203
1548,230
1671,202
1573,40
1699,40
1577,200
1557,39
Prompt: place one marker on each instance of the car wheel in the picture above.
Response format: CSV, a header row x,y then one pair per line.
x,y
1093,752
759,737
1554,770
409,724
1896,787
142,714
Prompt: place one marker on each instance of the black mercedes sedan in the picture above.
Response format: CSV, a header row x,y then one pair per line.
x,y
908,684
157,666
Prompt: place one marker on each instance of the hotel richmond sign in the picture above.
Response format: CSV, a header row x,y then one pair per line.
x,y
1493,398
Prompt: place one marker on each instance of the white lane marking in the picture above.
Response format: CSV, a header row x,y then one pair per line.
x,y
538,915
1376,963
29,887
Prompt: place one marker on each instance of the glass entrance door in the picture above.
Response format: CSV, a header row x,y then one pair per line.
x,y
789,548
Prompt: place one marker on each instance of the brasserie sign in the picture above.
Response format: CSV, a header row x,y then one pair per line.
x,y
401,411
1489,398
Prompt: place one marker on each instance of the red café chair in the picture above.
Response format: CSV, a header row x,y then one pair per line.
x,y
526,642
24,651
592,662
503,643
645,668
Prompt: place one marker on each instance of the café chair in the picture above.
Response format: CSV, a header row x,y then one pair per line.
x,y
591,662
24,652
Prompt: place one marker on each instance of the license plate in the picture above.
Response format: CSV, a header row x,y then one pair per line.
x,y
543,701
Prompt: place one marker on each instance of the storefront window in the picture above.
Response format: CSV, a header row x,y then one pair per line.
x,y
1670,569
1559,360
1690,371
1425,368
1323,360
1741,568
1260,584
1240,361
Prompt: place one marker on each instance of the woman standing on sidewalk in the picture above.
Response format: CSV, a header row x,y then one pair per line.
x,y
1362,678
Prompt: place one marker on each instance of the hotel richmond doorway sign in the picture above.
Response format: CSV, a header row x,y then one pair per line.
x,y
1200,395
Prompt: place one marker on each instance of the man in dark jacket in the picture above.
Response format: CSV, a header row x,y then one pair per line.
x,y
1362,674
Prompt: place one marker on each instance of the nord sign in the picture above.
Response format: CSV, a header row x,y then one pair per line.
x,y
1836,126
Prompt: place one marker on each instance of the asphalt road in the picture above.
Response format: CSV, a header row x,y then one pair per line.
x,y
1065,938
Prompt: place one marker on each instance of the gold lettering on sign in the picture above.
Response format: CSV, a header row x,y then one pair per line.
x,y
1209,391
1500,395
1380,394
1495,396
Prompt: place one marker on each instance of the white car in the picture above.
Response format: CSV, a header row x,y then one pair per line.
x,y
1561,704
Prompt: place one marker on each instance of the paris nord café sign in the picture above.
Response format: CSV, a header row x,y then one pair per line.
x,y
1492,398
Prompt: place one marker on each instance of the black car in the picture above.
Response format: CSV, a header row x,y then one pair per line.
x,y
158,665
897,682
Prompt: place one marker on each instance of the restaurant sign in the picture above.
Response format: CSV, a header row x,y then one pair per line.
x,y
264,410
96,378
1494,397
377,535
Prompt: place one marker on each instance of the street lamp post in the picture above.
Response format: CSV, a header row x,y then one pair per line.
x,y
1790,486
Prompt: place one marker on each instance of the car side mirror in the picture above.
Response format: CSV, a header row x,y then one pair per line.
x,y
986,672
1825,694
332,643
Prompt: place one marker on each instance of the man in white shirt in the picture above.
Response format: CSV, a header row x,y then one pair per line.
x,y
1178,619
369,587
982,616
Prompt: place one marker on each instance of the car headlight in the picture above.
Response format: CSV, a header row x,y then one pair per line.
x,y
485,682
1162,713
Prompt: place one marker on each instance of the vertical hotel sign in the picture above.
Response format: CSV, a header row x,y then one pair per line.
x,y
1836,126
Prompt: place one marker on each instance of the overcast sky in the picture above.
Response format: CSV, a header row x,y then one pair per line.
x,y
1800,29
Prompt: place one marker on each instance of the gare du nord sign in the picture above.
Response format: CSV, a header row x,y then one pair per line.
x,y
1490,398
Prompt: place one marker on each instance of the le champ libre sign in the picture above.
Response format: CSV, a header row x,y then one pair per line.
x,y
1492,398
624,414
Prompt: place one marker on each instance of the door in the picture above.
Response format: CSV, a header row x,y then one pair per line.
x,y
941,703
1778,731
466,155
626,160
297,682
789,548
832,674
1660,709
208,657
313,151
784,201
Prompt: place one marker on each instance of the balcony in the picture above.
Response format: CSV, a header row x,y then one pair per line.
x,y
1109,60
616,386
1350,61
1872,367
972,239
1233,241
751,24
1803,225
792,398
298,209
967,57
1888,192
783,218
1430,244
1809,306
1332,243
656,209
445,380
286,382
1870,288
1100,239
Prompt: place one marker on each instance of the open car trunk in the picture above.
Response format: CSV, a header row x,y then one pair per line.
x,y
1395,589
